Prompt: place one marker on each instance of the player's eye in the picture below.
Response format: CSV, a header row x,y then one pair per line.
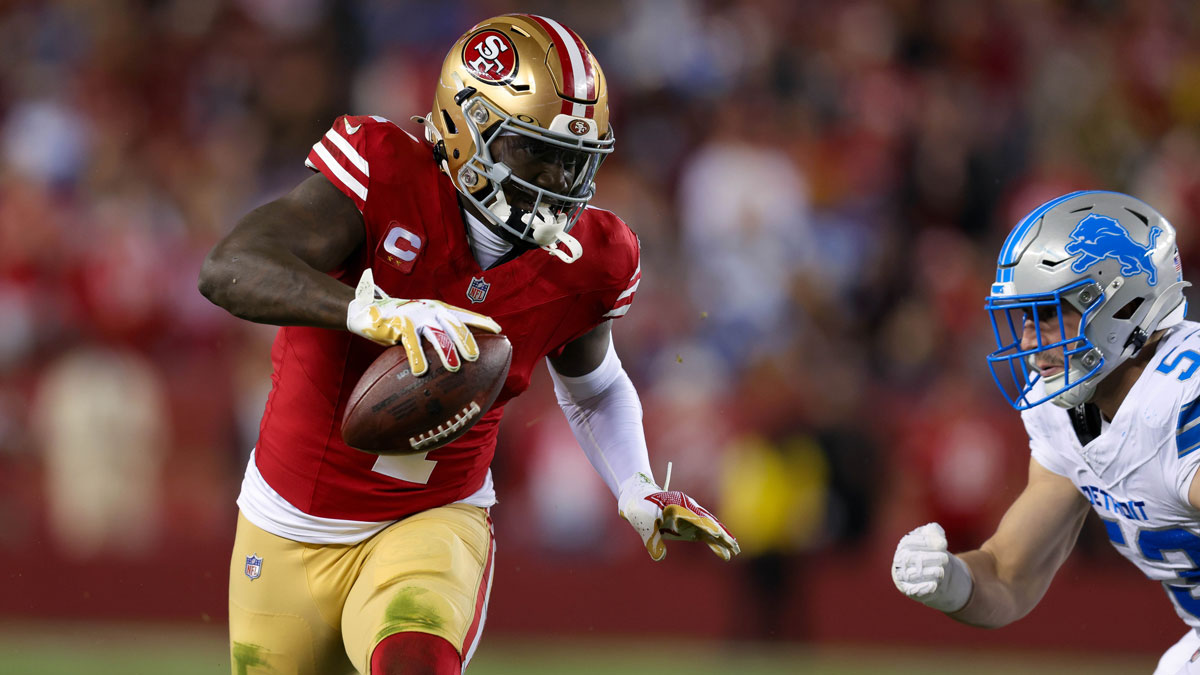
x,y
532,149
1038,314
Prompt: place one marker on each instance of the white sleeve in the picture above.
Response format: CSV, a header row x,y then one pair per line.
x,y
605,415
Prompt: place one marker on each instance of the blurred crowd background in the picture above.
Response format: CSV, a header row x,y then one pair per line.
x,y
820,189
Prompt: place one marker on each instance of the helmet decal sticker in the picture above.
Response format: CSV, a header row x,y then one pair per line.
x,y
489,56
1097,237
579,127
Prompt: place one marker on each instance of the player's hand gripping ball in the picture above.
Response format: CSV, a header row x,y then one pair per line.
x,y
392,411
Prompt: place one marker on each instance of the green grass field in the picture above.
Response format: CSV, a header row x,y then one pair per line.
x,y
133,650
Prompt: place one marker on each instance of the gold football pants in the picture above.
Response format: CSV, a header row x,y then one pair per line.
x,y
319,609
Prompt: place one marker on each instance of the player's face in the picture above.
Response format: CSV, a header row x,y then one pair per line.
x,y
1045,323
549,167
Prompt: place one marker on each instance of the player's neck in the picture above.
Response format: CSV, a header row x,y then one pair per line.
x,y
487,246
1112,390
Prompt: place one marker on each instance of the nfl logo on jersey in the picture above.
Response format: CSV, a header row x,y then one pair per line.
x,y
253,567
477,291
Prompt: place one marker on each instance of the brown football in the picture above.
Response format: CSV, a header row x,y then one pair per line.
x,y
390,412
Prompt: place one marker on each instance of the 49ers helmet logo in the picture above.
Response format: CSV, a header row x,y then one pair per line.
x,y
490,56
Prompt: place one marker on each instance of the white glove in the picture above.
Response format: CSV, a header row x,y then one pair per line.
x,y
657,514
379,318
927,572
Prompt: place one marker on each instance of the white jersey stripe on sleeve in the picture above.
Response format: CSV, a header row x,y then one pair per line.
x,y
629,291
619,311
340,173
349,151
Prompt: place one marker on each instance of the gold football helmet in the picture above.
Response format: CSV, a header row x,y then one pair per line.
x,y
529,76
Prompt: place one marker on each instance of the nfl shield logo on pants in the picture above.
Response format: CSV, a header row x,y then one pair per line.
x,y
253,567
477,291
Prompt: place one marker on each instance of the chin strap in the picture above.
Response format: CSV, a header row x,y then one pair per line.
x,y
1153,321
546,228
574,248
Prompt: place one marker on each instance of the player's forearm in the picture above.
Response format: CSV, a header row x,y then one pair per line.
x,y
609,430
1013,569
996,599
268,285
605,415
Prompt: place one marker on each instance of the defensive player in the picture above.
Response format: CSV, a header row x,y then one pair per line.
x,y
346,560
1088,311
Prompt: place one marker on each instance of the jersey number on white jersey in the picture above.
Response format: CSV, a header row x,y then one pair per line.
x,y
1154,544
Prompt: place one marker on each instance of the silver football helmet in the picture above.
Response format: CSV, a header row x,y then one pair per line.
x,y
1110,257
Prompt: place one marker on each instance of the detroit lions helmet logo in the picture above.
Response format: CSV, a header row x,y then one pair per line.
x,y
1097,237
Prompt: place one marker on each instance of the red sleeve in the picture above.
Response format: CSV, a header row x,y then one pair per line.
x,y
620,272
624,298
341,156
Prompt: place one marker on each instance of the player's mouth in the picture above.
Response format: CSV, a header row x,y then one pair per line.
x,y
1049,369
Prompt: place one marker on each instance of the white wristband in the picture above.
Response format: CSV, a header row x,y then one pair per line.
x,y
955,592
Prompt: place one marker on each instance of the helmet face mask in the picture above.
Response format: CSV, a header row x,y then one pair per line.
x,y
490,182
531,78
1059,339
1101,272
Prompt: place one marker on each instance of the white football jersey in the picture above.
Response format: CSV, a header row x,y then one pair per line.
x,y
1137,472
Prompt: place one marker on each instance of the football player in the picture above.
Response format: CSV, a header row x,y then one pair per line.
x,y
383,563
1088,311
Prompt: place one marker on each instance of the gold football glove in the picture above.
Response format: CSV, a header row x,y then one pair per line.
x,y
657,514
387,321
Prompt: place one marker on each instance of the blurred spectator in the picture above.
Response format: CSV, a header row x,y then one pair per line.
x,y
744,216
101,420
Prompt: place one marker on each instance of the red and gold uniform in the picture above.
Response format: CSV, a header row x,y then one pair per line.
x,y
309,496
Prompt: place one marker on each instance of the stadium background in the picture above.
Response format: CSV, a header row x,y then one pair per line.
x,y
820,189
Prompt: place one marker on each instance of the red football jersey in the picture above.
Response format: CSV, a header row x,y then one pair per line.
x,y
416,245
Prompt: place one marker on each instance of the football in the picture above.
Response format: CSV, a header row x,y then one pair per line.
x,y
391,412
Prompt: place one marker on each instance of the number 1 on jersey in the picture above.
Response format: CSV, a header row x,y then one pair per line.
x,y
408,468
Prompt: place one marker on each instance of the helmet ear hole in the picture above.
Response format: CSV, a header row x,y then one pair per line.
x,y
449,122
1126,313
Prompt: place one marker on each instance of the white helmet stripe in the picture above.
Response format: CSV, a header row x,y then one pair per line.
x,y
577,74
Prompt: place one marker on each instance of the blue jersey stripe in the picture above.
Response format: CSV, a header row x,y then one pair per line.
x,y
1114,531
1187,431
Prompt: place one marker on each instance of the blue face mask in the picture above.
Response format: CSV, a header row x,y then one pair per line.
x,y
1012,365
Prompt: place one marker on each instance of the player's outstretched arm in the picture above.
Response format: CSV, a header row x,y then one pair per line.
x,y
1005,578
606,417
272,267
